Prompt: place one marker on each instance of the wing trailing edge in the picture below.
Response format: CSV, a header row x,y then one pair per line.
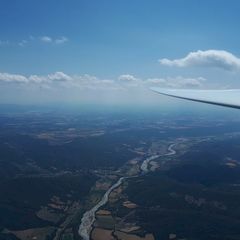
x,y
227,98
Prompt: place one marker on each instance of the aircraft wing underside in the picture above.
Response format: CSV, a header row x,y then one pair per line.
x,y
226,98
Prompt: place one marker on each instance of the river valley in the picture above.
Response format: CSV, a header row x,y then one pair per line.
x,y
89,216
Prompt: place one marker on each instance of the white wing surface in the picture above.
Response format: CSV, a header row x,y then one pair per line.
x,y
226,98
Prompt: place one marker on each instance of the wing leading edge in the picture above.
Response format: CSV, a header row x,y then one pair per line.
x,y
226,98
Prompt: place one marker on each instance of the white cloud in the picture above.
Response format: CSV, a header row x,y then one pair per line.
x,y
61,40
176,82
180,82
36,79
16,78
127,78
89,82
31,39
210,58
59,76
46,39
156,80
60,79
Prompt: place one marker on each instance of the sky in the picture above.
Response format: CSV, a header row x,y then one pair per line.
x,y
108,51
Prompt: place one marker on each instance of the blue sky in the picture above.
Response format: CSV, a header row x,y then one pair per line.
x,y
110,43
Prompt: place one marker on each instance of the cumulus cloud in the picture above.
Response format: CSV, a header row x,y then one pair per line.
x,y
181,82
60,79
130,82
127,78
88,82
59,76
210,58
176,82
36,79
16,78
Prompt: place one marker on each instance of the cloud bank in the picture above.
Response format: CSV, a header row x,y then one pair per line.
x,y
176,82
59,86
89,82
210,58
36,79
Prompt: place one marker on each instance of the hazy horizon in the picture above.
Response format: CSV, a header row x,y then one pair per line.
x,y
112,52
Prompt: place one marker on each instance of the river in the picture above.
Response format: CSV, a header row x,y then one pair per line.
x,y
89,216
145,164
